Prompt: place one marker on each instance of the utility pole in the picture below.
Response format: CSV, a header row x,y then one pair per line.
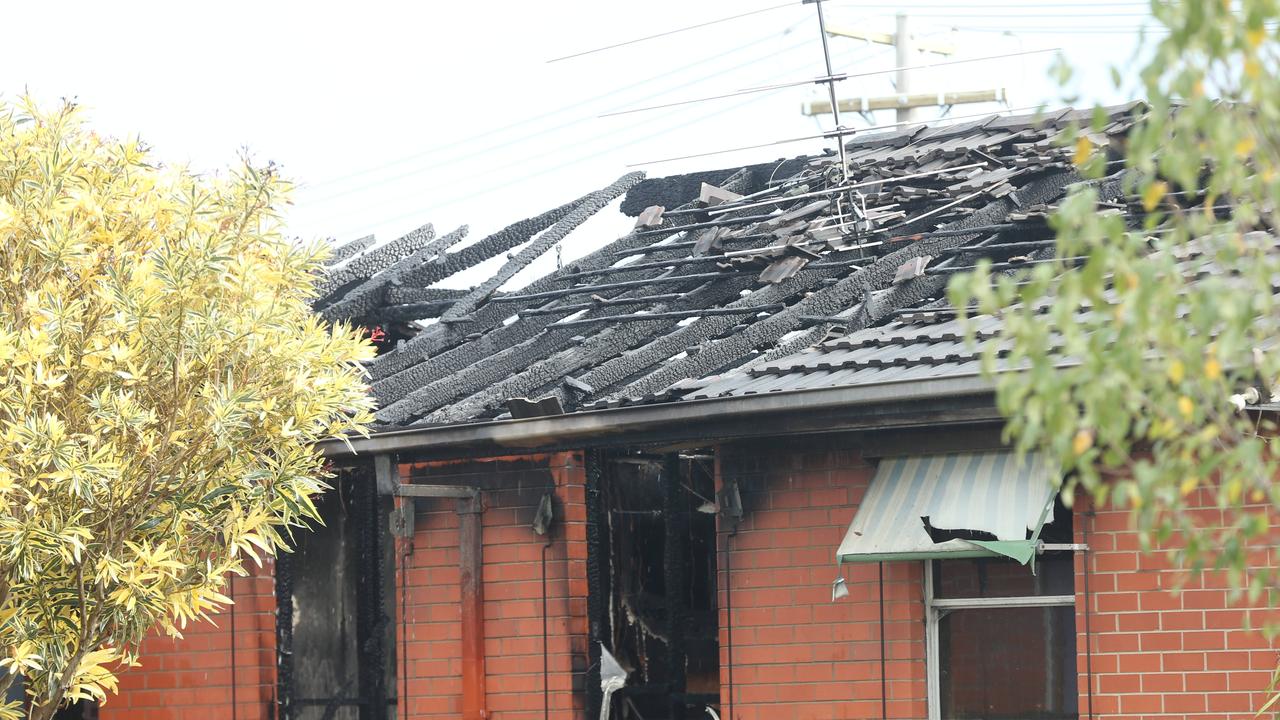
x,y
903,52
906,48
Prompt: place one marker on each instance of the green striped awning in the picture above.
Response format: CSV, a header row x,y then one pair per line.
x,y
987,492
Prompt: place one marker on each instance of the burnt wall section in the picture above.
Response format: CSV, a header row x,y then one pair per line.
x,y
427,624
337,658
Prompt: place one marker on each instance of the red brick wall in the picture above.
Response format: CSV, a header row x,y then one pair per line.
x,y
191,678
1156,653
511,574
797,655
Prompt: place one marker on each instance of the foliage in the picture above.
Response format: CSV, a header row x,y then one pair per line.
x,y
162,385
1143,413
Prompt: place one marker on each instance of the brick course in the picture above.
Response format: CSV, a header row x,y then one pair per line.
x,y
190,678
792,654
797,655
511,556
1158,652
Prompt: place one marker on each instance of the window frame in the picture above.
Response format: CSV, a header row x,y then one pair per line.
x,y
936,608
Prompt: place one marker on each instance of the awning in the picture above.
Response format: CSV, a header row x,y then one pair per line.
x,y
990,497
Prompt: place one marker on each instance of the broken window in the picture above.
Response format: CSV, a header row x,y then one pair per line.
x,y
1002,641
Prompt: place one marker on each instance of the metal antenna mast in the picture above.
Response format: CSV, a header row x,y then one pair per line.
x,y
831,89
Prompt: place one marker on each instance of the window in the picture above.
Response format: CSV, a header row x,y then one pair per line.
x,y
1001,640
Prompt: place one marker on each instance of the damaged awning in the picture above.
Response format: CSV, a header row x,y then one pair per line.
x,y
957,505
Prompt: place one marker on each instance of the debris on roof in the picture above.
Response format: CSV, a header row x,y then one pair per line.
x,y
727,270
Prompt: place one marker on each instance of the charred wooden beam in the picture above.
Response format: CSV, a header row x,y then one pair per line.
x,y
600,302
675,552
580,289
349,249
366,297
590,205
407,362
675,314
364,266
468,257
841,295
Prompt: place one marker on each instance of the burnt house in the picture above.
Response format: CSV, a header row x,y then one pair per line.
x,y
739,462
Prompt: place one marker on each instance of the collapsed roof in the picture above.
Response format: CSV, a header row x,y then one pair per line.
x,y
726,275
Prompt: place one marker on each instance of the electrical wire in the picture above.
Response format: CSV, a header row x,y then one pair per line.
x,y
526,121
471,156
673,32
832,78
838,133
544,170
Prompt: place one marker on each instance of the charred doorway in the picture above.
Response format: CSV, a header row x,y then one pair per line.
x,y
335,637
654,589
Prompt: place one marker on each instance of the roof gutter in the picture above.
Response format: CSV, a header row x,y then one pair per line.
x,y
698,416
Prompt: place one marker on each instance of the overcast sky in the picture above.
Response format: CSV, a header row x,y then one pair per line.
x,y
394,114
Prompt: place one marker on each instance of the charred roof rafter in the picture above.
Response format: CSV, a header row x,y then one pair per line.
x,y
691,293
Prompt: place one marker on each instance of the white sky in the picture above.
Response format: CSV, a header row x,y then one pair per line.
x,y
394,114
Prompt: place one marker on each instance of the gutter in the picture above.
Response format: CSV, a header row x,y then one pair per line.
x,y
891,402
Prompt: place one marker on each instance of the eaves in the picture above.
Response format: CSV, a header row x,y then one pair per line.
x,y
916,403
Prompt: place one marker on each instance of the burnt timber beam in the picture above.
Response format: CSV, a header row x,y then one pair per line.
x,y
840,296
399,294
349,249
437,339
363,266
368,295
472,616
415,490
488,384
598,577
675,557
674,314
511,236
491,347
589,206
601,302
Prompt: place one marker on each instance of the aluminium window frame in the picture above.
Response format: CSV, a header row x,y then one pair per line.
x,y
936,608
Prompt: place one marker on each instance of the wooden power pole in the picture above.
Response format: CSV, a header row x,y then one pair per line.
x,y
903,101
904,55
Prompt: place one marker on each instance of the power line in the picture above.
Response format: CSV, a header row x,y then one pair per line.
x,y
470,155
1018,5
673,32
610,135
925,66
836,133
681,123
832,78
523,122
1024,15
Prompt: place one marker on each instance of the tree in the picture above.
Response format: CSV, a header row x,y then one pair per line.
x,y
1144,414
163,383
